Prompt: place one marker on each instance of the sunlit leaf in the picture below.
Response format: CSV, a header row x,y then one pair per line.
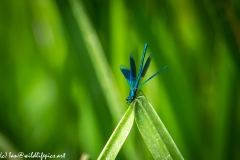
x,y
119,135
154,132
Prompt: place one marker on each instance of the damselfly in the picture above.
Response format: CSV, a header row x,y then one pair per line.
x,y
133,79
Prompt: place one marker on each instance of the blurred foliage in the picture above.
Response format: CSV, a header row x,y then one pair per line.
x,y
61,90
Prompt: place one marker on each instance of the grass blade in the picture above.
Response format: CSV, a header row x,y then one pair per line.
x,y
98,59
119,135
154,132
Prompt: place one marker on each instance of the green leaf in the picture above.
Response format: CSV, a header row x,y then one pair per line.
x,y
154,132
119,135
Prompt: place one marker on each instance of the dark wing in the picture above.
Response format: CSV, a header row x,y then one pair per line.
x,y
132,66
146,65
126,72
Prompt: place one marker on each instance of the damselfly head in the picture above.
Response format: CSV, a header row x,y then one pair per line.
x,y
129,99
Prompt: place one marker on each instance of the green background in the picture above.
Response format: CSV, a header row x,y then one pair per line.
x,y
61,90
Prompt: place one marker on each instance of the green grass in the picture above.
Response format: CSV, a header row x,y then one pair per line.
x,y
149,124
61,90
